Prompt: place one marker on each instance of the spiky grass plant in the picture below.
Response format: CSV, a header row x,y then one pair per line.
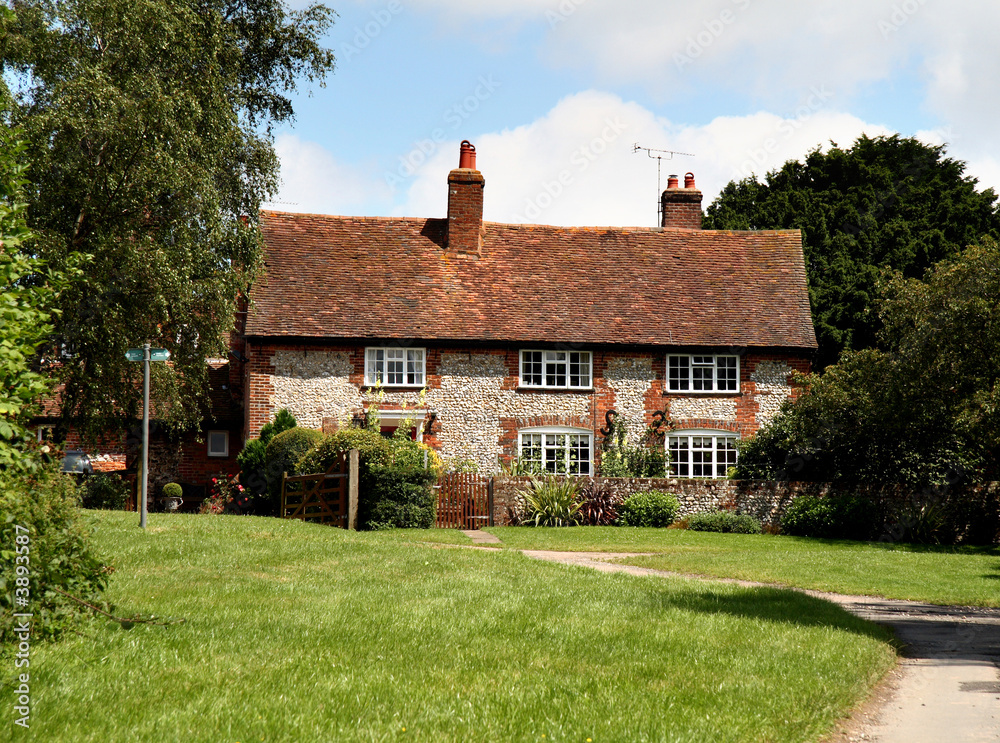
x,y
551,501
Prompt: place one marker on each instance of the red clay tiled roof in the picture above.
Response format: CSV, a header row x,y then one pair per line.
x,y
386,278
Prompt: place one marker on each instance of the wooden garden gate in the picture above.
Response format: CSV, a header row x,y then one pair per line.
x,y
465,501
329,497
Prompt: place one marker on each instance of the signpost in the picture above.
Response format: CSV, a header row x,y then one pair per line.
x,y
145,355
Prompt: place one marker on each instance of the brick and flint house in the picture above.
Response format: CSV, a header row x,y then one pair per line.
x,y
511,341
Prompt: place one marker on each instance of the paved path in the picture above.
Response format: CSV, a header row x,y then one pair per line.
x,y
947,687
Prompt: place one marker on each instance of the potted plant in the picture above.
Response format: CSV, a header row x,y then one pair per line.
x,y
171,497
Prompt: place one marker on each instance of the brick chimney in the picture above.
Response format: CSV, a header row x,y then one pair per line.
x,y
681,207
465,204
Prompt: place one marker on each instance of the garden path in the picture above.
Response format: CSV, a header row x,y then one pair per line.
x,y
946,688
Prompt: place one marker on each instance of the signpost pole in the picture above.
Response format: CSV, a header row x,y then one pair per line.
x,y
145,433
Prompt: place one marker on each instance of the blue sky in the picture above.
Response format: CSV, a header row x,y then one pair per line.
x,y
555,93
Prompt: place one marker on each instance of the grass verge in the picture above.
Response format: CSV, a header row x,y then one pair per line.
x,y
967,576
297,632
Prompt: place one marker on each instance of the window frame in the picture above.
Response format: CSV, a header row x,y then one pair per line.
x,y
544,373
371,373
208,444
567,431
692,366
673,466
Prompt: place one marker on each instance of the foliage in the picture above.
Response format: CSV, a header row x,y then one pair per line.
x,y
724,522
833,517
172,490
885,202
59,555
924,409
551,501
227,496
394,483
253,457
397,496
598,505
149,129
104,491
460,465
29,291
649,508
621,459
282,455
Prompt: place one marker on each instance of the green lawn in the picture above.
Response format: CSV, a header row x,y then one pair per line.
x,y
968,576
296,632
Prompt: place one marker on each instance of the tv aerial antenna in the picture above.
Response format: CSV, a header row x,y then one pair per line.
x,y
664,155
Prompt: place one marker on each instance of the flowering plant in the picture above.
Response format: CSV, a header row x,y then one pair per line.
x,y
228,496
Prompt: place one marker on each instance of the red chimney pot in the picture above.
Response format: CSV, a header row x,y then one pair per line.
x,y
689,180
467,155
671,181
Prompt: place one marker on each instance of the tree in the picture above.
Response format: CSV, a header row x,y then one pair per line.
x,y
149,127
885,203
925,409
28,295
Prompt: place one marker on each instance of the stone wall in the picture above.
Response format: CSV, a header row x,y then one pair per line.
x,y
765,500
475,406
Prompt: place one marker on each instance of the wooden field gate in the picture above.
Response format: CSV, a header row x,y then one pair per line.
x,y
465,501
329,497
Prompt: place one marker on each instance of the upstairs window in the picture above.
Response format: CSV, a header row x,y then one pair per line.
x,y
703,373
559,451
395,367
556,369
701,453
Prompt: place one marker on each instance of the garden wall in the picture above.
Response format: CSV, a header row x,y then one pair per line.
x,y
971,513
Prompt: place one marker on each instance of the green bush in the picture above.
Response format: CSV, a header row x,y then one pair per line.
x,y
834,517
282,455
104,491
253,457
649,508
724,522
172,490
552,501
56,544
394,486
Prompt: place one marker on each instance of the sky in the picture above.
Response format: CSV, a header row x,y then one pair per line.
x,y
556,94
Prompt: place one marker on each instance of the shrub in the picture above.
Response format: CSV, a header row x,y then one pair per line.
x,y
44,504
552,501
394,486
283,454
649,508
598,506
108,492
253,458
833,517
621,459
172,490
724,522
227,496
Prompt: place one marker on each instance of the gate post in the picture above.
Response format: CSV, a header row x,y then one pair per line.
x,y
352,490
489,502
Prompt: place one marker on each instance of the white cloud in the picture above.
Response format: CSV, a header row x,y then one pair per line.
x,y
573,166
774,50
313,181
